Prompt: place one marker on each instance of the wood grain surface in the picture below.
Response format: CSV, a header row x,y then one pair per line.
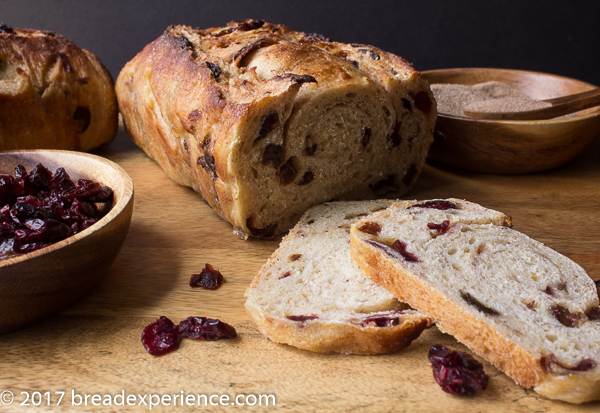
x,y
94,348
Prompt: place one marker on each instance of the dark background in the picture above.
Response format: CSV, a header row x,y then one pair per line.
x,y
560,37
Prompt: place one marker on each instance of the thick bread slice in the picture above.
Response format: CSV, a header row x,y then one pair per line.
x,y
265,121
311,296
527,309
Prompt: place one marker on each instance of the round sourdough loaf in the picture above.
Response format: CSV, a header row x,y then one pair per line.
x,y
265,122
53,94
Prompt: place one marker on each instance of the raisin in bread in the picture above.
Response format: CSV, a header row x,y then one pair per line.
x,y
527,309
53,94
265,122
310,295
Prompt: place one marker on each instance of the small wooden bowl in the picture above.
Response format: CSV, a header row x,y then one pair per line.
x,y
42,282
512,147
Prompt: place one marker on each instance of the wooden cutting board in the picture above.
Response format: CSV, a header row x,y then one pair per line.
x,y
93,348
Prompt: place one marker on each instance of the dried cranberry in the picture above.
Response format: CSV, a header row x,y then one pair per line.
x,y
477,304
41,208
4,28
265,232
372,228
455,372
38,178
160,337
215,70
285,275
382,320
312,37
546,363
246,25
437,204
209,278
372,54
441,228
593,313
306,179
566,317
400,246
423,102
269,123
273,154
366,136
287,172
302,318
208,329
82,117
395,139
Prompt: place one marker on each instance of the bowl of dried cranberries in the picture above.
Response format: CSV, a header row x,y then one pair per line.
x,y
63,219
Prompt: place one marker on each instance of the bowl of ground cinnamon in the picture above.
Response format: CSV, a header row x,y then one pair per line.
x,y
506,146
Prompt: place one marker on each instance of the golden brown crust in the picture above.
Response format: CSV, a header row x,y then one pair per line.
x,y
53,94
199,103
342,337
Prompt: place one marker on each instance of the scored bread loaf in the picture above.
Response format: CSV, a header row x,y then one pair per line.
x,y
53,94
265,122
522,306
310,295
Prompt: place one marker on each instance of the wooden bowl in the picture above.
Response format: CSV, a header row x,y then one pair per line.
x,y
512,147
42,282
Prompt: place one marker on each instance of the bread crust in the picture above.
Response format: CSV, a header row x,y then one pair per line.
x,y
53,94
208,105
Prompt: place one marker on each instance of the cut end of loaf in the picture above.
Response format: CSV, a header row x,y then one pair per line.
x,y
265,122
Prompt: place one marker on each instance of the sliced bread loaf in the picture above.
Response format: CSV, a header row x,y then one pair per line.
x,y
310,295
527,309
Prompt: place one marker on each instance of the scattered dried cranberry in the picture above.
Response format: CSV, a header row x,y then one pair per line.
x,y
39,208
209,278
160,337
455,372
208,329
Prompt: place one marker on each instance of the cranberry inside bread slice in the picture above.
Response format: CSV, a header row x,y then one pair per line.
x,y
524,307
310,295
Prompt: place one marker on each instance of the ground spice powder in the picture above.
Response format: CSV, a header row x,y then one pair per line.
x,y
492,96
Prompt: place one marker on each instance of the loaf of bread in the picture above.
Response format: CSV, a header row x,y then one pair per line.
x,y
265,122
310,295
528,310
53,94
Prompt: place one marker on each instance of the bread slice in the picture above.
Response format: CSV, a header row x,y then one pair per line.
x,y
310,295
527,309
265,121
